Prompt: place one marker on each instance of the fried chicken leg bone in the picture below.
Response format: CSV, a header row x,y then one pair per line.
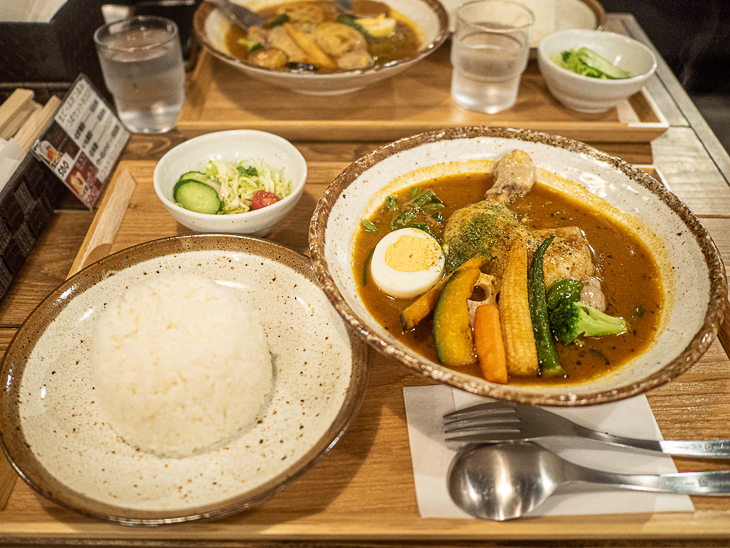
x,y
514,176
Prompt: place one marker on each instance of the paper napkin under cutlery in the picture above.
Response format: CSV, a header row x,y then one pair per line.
x,y
426,405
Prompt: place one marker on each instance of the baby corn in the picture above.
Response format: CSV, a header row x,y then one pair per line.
x,y
315,55
514,312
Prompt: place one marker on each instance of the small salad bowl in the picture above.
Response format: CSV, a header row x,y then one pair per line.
x,y
232,146
586,93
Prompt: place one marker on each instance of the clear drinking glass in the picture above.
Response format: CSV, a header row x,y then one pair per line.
x,y
489,53
142,63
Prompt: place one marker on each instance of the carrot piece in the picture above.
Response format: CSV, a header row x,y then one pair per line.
x,y
423,306
489,345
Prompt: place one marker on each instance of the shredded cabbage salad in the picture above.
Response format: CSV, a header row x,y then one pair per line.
x,y
240,181
586,62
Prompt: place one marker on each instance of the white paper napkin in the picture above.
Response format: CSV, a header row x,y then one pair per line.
x,y
426,405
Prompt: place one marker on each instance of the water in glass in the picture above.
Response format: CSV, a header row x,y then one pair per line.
x,y
146,81
487,70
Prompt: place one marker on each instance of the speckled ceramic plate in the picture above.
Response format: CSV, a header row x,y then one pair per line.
x,y
690,266
567,14
55,437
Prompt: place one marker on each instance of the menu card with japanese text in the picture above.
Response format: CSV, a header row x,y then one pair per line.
x,y
83,142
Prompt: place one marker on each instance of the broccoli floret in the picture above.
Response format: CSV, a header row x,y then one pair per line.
x,y
251,45
570,319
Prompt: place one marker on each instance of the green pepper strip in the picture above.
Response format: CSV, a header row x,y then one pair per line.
x,y
350,21
547,355
277,21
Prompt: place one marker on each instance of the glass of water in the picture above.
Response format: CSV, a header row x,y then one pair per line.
x,y
142,63
489,53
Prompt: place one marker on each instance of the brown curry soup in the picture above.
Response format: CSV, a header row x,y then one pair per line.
x,y
631,280
404,43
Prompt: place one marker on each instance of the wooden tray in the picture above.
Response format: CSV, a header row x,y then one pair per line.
x,y
220,97
363,490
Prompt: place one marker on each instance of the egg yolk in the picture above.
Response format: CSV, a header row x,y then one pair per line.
x,y
411,254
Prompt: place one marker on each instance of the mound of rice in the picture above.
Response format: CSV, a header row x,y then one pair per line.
x,y
179,364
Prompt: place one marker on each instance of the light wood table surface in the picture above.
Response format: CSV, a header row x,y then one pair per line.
x,y
362,493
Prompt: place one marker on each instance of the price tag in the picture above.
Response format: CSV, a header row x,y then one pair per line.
x,y
83,142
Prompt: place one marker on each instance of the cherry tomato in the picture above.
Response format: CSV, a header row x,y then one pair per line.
x,y
263,198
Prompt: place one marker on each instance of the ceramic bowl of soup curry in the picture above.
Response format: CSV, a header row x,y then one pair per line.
x,y
322,57
658,267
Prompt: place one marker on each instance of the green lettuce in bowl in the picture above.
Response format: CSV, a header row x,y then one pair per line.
x,y
587,62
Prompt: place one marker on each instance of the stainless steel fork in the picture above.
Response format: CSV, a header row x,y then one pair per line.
x,y
497,422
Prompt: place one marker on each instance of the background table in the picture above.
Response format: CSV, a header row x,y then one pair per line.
x,y
362,492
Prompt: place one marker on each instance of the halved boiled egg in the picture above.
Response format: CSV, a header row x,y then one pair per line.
x,y
378,27
407,262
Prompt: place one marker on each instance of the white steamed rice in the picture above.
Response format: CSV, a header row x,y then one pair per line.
x,y
179,364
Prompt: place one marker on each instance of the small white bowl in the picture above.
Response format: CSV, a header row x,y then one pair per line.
x,y
232,146
586,94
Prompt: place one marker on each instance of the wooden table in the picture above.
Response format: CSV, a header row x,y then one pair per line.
x,y
362,493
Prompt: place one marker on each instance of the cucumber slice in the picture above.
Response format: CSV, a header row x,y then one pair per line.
x,y
194,176
196,196
601,64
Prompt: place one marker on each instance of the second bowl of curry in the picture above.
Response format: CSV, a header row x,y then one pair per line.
x,y
311,47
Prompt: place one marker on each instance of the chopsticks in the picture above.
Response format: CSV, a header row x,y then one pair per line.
x,y
35,123
15,111
105,225
21,122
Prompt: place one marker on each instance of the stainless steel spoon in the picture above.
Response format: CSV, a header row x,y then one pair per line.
x,y
506,480
345,6
238,14
372,8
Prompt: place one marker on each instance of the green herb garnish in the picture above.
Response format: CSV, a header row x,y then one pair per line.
x,y
250,171
368,226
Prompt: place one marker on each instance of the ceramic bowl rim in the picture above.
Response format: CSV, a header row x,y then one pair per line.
x,y
697,346
22,344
